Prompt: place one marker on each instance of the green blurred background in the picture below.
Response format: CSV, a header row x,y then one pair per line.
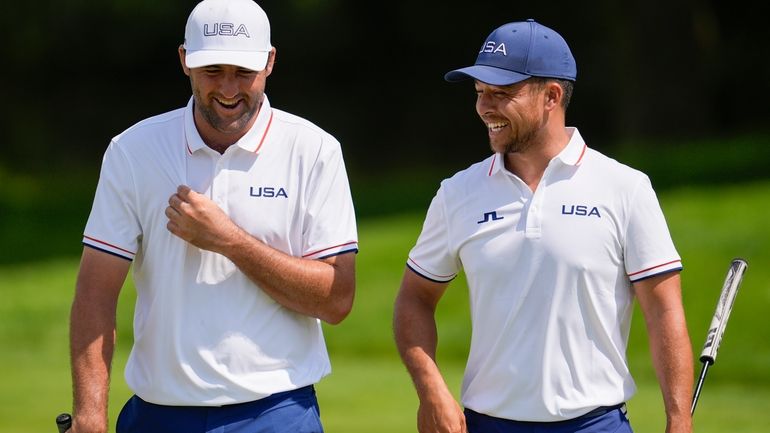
x,y
676,89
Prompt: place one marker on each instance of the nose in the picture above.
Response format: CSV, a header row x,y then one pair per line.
x,y
228,85
483,103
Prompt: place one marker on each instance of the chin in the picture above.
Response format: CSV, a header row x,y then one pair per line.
x,y
498,147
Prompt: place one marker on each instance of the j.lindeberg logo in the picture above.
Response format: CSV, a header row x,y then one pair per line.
x,y
489,216
225,29
267,192
493,47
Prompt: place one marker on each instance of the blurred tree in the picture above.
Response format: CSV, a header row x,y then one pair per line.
x,y
77,73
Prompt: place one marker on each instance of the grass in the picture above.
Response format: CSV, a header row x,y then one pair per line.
x,y
369,390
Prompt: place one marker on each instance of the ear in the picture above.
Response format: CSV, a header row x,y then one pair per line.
x,y
553,94
182,54
270,61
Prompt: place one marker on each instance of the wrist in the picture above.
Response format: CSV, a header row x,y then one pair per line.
x,y
679,423
90,424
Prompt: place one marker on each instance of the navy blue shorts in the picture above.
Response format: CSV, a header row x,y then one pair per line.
x,y
285,412
613,421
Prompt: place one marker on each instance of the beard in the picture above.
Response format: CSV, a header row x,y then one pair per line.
x,y
519,143
226,125
521,140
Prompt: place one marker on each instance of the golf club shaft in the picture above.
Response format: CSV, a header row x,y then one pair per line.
x,y
699,385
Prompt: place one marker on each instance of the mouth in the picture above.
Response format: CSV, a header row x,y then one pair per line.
x,y
496,126
229,104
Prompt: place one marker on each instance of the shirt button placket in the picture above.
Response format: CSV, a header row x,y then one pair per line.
x,y
534,215
219,183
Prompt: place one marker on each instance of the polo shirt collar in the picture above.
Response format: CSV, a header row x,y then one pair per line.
x,y
251,142
497,164
572,154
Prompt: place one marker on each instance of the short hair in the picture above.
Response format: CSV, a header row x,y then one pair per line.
x,y
567,87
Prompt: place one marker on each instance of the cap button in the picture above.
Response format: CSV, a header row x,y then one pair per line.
x,y
530,20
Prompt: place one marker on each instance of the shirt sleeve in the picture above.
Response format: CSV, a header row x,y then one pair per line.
x,y
330,221
649,250
431,257
113,225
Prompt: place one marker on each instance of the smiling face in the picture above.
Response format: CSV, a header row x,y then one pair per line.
x,y
514,114
227,99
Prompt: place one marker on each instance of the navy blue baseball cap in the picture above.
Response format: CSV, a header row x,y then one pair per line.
x,y
516,51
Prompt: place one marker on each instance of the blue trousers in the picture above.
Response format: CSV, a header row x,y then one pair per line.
x,y
286,412
614,421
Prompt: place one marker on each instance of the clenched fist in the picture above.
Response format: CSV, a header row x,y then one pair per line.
x,y
199,221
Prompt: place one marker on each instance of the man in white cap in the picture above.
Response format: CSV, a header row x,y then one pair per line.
x,y
556,241
239,222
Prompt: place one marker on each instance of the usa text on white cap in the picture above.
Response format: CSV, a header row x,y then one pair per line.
x,y
227,32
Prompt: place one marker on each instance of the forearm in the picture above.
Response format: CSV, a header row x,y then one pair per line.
x,y
673,361
92,342
417,339
317,288
414,327
660,299
92,336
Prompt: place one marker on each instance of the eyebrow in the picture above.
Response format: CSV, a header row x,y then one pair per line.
x,y
238,69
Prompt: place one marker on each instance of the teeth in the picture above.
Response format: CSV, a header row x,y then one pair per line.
x,y
496,126
227,103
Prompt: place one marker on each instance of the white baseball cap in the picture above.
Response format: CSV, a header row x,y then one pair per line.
x,y
227,32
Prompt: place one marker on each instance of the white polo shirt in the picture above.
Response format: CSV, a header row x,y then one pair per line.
x,y
204,334
549,275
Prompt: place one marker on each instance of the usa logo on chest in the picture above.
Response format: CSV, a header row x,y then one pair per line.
x,y
268,192
580,210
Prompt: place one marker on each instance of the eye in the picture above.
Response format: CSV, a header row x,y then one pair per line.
x,y
246,72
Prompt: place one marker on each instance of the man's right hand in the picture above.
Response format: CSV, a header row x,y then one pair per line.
x,y
441,415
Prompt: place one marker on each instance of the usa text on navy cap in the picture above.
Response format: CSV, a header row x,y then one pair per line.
x,y
516,51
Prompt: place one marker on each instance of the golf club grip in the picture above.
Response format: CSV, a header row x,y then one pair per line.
x,y
64,422
724,307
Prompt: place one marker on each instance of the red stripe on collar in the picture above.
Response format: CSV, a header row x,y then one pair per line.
x,y
267,128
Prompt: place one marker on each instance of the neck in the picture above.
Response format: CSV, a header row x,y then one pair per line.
x,y
530,164
214,138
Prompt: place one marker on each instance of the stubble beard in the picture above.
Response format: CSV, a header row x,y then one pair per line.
x,y
520,142
226,126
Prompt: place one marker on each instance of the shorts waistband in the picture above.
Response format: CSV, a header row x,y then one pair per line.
x,y
299,393
305,391
599,411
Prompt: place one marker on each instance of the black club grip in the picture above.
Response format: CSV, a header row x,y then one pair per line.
x,y
64,422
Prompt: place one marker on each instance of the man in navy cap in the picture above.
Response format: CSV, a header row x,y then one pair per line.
x,y
556,241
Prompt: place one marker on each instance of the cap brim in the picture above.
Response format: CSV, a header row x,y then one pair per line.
x,y
254,60
486,74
